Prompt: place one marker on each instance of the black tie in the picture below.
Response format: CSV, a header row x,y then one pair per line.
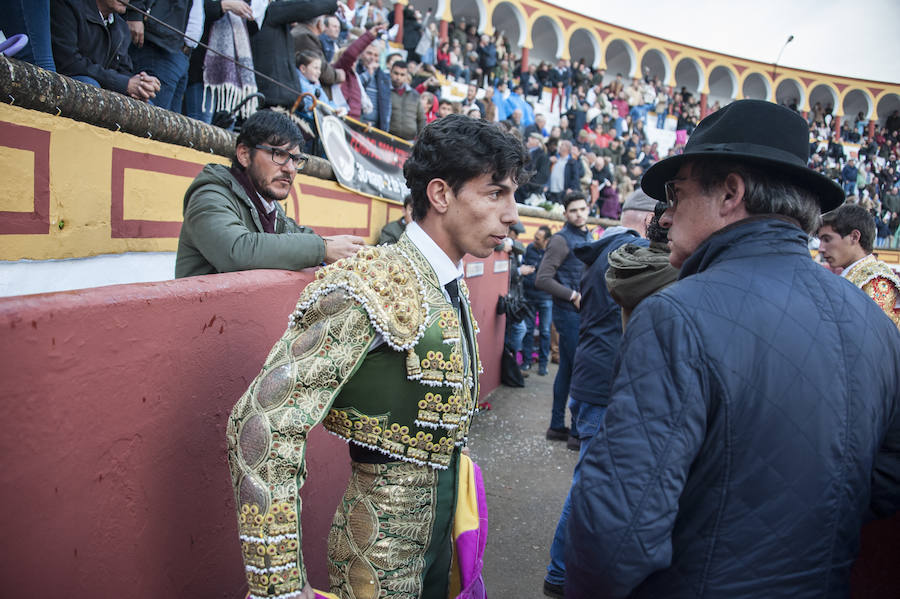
x,y
453,290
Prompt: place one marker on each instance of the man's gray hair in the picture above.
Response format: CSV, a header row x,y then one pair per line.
x,y
766,191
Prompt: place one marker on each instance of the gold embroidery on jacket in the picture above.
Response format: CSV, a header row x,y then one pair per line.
x,y
267,431
381,530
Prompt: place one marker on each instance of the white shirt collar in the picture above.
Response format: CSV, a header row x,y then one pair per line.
x,y
109,20
440,262
270,206
846,271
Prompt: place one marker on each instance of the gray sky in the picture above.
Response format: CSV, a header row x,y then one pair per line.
x,y
857,38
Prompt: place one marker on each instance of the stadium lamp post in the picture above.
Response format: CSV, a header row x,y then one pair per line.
x,y
780,52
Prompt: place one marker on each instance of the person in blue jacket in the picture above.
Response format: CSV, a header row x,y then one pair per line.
x,y
599,332
754,419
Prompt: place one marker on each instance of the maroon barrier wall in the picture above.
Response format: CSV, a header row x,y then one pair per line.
x,y
114,478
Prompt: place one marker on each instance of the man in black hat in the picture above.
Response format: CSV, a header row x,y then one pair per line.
x,y
751,426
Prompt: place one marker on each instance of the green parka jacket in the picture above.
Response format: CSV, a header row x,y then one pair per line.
x,y
222,231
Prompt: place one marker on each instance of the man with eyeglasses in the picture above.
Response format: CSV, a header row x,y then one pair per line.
x,y
754,419
232,218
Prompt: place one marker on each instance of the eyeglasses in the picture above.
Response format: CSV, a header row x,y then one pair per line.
x,y
281,157
671,194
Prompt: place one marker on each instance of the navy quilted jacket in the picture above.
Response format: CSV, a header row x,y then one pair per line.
x,y
753,422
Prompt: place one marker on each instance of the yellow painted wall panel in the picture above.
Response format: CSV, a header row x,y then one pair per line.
x,y
17,191
149,195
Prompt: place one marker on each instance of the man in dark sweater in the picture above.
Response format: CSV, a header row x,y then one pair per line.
x,y
560,275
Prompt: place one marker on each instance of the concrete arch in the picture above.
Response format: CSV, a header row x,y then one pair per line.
x,y
789,92
658,63
887,104
856,101
826,95
620,58
547,39
756,86
508,18
472,11
723,85
584,44
689,74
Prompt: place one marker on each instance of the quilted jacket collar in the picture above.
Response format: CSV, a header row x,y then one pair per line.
x,y
753,236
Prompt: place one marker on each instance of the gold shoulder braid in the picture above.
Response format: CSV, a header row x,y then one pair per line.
x,y
385,284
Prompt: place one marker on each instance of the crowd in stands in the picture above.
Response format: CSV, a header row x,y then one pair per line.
x,y
869,178
591,137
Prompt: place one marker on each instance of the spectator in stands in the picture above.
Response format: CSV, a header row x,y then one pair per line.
x,y
310,65
429,105
541,302
392,231
377,85
846,238
472,99
353,89
487,59
308,36
412,32
91,47
232,218
490,113
407,115
164,53
560,275
566,172
538,126
564,131
599,335
31,17
218,83
538,168
531,85
515,121
471,70
445,107
849,177
329,36
273,47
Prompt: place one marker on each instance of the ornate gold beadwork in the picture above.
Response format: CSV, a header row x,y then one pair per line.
x,y
267,434
384,283
383,526
378,538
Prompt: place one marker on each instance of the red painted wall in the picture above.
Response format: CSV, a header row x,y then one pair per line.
x,y
114,478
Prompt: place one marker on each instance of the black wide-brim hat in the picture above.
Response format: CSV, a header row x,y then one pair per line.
x,y
757,132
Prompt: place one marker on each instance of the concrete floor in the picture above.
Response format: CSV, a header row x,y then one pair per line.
x,y
526,479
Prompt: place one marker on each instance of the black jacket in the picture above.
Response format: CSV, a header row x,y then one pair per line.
x,y
173,12
84,45
273,47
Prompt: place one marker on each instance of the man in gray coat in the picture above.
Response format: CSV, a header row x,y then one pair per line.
x,y
407,114
232,219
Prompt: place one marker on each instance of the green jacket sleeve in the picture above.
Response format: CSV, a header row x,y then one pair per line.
x,y
218,230
267,433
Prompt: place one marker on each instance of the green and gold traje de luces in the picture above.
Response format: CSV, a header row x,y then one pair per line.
x,y
411,396
425,396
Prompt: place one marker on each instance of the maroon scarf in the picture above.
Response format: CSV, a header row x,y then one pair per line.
x,y
266,219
